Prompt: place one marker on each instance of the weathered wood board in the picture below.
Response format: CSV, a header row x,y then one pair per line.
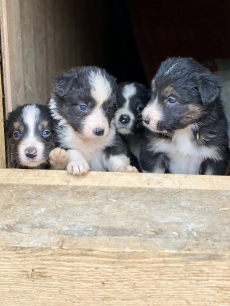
x,y
113,239
41,39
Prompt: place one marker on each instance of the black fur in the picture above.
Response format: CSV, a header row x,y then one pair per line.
x,y
132,110
195,94
72,90
136,104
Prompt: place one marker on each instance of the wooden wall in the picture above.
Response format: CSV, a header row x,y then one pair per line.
x,y
41,38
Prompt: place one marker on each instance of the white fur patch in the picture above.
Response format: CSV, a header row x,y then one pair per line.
x,y
86,150
114,162
184,153
154,112
127,92
101,88
30,115
170,69
96,119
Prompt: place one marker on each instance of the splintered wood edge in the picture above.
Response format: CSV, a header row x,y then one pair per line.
x,y
115,179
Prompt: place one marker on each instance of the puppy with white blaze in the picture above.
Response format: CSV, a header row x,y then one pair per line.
x,y
82,107
186,127
132,99
29,137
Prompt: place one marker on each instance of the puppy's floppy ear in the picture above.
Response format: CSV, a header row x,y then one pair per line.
x,y
62,85
208,87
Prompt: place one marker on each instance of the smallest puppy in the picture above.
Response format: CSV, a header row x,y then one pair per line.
x,y
132,99
29,137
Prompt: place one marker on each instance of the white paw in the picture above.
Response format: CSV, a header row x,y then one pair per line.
x,y
128,169
58,158
78,167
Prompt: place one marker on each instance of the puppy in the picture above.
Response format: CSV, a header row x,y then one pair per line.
x,y
29,137
186,127
132,98
82,107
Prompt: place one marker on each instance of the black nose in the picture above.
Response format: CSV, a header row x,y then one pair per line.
x,y
146,120
99,131
124,119
31,152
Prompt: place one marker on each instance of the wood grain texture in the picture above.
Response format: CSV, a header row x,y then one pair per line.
x,y
2,136
41,39
113,239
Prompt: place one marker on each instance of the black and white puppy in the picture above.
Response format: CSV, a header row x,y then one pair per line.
x,y
82,106
185,120
132,98
29,137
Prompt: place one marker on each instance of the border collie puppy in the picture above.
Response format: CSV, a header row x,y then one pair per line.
x,y
28,131
82,106
185,120
132,98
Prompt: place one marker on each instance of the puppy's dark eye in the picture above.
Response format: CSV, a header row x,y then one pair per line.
x,y
83,108
171,100
17,135
139,109
46,133
115,106
108,110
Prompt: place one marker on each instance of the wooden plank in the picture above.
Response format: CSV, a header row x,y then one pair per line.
x,y
2,136
178,182
42,38
113,239
12,54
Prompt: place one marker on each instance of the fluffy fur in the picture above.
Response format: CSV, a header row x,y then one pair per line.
x,y
132,98
29,137
186,125
82,107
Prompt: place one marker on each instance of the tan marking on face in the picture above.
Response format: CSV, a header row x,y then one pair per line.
x,y
169,91
43,125
193,113
18,126
154,112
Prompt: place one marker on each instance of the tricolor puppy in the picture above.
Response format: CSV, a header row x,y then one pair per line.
x,y
185,120
82,106
132,98
29,137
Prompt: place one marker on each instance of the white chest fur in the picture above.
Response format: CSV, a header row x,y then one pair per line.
x,y
185,155
91,149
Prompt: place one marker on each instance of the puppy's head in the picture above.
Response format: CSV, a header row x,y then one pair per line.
x,y
132,98
85,98
182,92
28,130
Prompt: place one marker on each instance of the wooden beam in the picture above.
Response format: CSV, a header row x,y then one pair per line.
x,y
2,133
113,239
178,182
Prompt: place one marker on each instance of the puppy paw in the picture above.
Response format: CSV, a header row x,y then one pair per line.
x,y
58,158
127,169
78,167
